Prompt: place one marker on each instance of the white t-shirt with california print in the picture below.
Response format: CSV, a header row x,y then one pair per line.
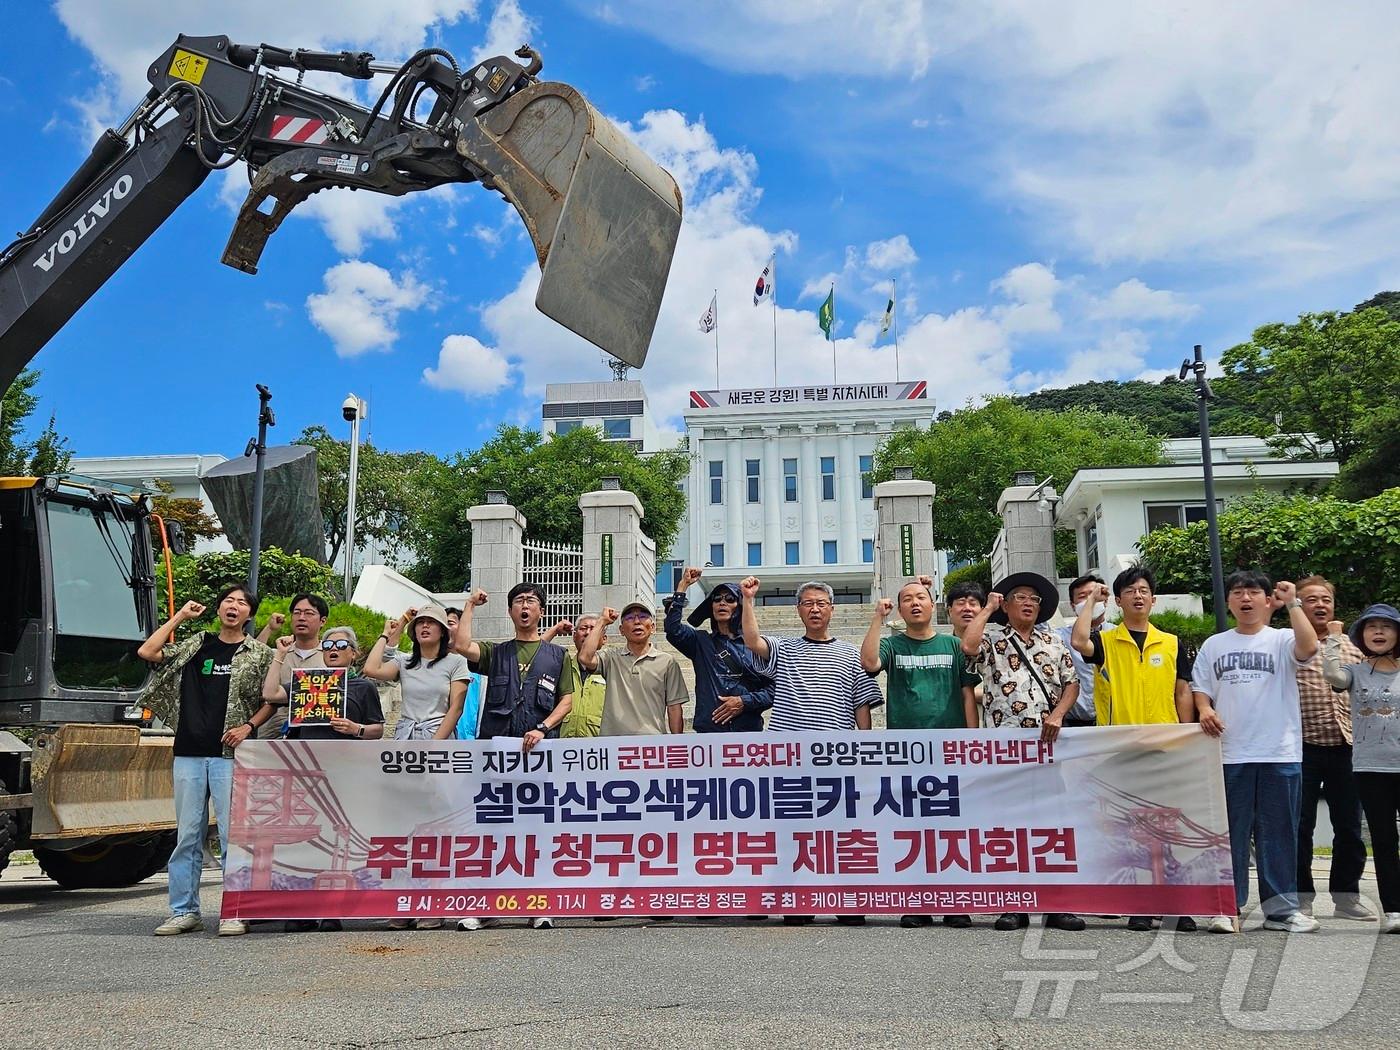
x,y
1251,680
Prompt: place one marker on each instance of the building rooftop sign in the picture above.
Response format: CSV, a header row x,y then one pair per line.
x,y
793,395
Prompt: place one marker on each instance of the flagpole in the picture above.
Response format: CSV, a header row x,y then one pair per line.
x,y
716,301
831,332
894,317
774,299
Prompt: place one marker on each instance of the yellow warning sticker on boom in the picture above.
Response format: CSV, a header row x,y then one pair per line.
x,y
188,66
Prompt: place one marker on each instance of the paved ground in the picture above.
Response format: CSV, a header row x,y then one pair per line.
x,y
82,970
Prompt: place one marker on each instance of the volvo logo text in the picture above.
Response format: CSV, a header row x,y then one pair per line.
x,y
85,224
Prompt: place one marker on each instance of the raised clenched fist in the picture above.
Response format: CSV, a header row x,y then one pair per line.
x,y
1284,592
191,611
994,601
1336,628
478,597
1101,592
883,607
748,587
608,616
284,643
691,576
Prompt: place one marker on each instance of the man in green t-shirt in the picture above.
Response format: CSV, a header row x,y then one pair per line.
x,y
927,685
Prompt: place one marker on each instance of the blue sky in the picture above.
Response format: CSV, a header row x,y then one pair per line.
x,y
1063,192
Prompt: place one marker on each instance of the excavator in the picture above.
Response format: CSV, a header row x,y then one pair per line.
x,y
84,768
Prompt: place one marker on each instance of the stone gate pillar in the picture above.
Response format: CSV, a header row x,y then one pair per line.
x,y
614,569
904,534
498,562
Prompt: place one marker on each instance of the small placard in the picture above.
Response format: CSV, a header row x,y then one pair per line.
x,y
605,558
317,695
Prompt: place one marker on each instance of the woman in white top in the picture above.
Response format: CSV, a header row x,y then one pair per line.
x,y
433,678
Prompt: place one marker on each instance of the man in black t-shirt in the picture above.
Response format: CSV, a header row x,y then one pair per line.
x,y
209,689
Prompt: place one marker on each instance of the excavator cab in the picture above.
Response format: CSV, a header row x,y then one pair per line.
x,y
90,789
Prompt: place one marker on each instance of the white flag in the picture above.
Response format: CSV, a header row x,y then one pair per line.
x,y
763,289
889,316
708,321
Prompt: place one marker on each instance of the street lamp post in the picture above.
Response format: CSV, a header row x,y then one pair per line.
x,y
353,409
258,446
1196,365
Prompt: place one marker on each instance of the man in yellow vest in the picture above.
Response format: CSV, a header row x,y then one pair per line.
x,y
1144,673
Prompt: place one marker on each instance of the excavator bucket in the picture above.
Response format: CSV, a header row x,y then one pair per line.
x,y
603,216
101,780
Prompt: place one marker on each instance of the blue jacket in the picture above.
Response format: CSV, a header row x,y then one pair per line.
x,y
723,667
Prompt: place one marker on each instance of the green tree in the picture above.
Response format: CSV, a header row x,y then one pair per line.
x,y
1166,408
544,478
1387,301
1376,467
973,454
1356,545
195,522
392,493
48,453
1326,375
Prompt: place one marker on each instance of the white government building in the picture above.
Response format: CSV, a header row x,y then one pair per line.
x,y
778,483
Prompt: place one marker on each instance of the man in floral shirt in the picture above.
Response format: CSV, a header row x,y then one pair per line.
x,y
1028,676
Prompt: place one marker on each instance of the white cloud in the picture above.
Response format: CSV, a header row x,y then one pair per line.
x,y
468,366
1120,355
359,309
508,28
1032,288
1134,301
644,83
892,254
1243,132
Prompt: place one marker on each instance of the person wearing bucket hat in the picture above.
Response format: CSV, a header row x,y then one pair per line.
x,y
1028,675
731,694
1374,685
433,679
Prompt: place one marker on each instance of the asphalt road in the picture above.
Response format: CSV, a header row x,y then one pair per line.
x,y
82,970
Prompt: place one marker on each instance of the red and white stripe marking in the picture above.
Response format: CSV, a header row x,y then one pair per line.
x,y
298,129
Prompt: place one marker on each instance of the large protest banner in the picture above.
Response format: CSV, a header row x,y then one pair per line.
x,y
1123,820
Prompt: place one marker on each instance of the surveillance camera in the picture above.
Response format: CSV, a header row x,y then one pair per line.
x,y
350,408
1185,367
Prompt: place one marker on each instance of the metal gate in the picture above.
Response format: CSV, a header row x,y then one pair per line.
x,y
558,568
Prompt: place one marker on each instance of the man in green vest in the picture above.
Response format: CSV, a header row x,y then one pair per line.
x,y
927,682
1144,673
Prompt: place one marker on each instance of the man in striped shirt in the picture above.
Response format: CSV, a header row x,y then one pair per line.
x,y
820,684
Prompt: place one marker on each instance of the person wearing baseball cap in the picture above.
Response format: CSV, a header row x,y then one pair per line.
x,y
1029,675
645,693
731,694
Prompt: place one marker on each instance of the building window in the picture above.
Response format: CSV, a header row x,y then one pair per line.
x,y
716,481
1091,544
1176,514
567,426
668,577
791,553
867,551
867,487
828,552
755,554
751,479
717,554
790,482
617,428
828,477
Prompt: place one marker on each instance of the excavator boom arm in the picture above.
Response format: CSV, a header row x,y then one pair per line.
x,y
603,216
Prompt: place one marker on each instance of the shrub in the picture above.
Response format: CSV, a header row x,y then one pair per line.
x,y
976,572
366,623
1355,545
200,577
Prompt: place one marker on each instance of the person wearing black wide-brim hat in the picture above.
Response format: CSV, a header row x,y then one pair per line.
x,y
731,694
1028,676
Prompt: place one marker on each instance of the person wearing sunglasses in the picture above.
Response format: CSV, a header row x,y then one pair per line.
x,y
363,719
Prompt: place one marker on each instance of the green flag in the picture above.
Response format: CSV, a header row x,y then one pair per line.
x,y
826,313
